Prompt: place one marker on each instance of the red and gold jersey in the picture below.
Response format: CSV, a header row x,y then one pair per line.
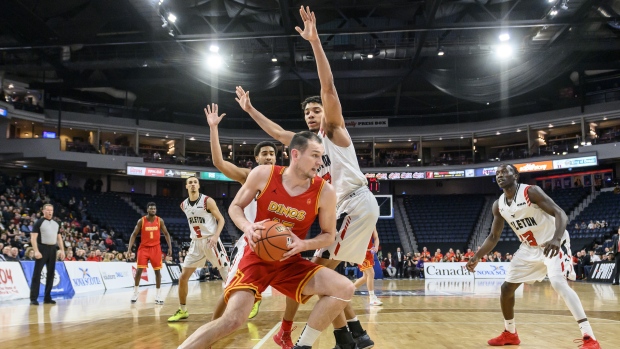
x,y
296,212
150,232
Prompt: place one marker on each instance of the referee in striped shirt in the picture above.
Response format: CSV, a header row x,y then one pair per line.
x,y
46,239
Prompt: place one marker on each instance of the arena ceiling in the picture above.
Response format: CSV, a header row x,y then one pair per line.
x,y
131,53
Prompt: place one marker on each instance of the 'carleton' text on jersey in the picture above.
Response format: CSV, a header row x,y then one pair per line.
x,y
290,212
196,220
523,223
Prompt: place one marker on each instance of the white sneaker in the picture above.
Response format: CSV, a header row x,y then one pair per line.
x,y
375,301
134,298
159,301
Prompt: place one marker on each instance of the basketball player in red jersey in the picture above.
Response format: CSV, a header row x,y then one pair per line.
x,y
294,196
264,154
149,228
357,209
367,267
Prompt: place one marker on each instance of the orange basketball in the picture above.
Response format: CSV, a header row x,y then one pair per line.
x,y
273,242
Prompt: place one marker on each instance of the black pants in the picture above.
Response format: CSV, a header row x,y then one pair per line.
x,y
49,259
617,274
399,269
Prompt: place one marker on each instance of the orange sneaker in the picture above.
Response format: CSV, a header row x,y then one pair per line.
x,y
505,338
283,338
588,343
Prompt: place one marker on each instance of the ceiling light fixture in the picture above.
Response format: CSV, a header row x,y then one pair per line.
x,y
504,51
504,37
172,18
553,12
440,51
274,58
214,48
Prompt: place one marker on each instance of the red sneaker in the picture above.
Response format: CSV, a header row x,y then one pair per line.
x,y
588,343
283,338
506,338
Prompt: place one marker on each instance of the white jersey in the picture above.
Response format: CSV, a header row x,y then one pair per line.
x,y
340,167
201,222
532,225
250,211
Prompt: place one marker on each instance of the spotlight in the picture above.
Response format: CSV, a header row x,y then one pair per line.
x,y
553,12
370,55
172,18
504,51
214,48
440,51
274,58
550,1
214,61
504,37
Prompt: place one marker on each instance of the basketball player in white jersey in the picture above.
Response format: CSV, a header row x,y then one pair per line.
x,y
357,207
545,251
206,223
264,154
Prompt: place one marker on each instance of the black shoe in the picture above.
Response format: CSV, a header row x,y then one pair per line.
x,y
34,302
346,346
363,341
302,347
615,283
49,301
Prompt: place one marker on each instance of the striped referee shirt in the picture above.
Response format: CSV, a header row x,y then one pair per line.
x,y
48,230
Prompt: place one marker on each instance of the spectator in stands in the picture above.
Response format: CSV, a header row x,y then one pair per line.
x,y
577,226
450,255
583,226
468,254
69,256
591,225
107,257
156,156
390,265
400,261
109,244
29,254
8,255
420,266
617,189
79,255
438,257
458,256
59,256
425,253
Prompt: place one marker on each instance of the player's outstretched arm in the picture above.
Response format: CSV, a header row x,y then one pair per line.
x,y
537,196
164,230
327,222
334,121
229,170
274,130
136,230
254,184
491,241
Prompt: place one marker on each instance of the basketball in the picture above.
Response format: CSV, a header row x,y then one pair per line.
x,y
273,242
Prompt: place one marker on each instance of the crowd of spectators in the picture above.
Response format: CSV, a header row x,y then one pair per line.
x,y
592,225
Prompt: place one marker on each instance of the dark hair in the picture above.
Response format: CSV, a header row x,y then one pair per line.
x,y
311,99
186,179
258,147
300,140
514,169
151,204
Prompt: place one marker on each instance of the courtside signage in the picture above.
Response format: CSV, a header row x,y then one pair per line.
x,y
61,285
576,162
85,276
492,270
447,271
13,284
116,275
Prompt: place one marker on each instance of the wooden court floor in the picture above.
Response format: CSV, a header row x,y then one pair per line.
x,y
415,314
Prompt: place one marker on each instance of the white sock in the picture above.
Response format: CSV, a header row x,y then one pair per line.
x,y
586,329
158,292
135,289
353,320
308,336
510,326
183,307
371,293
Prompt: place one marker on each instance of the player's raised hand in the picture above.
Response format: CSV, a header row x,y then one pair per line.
x,y
211,113
309,32
249,231
296,246
243,98
472,263
552,247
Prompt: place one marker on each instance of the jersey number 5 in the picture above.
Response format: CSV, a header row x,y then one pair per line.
x,y
529,237
198,232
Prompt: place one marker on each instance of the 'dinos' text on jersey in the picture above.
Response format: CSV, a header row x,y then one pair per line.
x,y
195,220
523,223
289,212
151,228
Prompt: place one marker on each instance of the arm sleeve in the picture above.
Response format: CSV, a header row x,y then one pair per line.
x,y
37,226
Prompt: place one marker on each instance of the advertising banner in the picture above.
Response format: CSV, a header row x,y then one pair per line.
x,y
534,166
116,275
13,284
136,171
148,276
575,162
492,270
456,271
85,276
62,285
365,123
214,176
602,272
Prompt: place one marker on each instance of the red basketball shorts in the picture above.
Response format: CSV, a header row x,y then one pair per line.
x,y
368,262
288,277
149,253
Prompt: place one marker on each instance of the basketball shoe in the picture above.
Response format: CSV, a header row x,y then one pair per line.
x,y
179,315
134,297
302,347
375,301
363,340
505,338
283,339
159,301
588,343
254,311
